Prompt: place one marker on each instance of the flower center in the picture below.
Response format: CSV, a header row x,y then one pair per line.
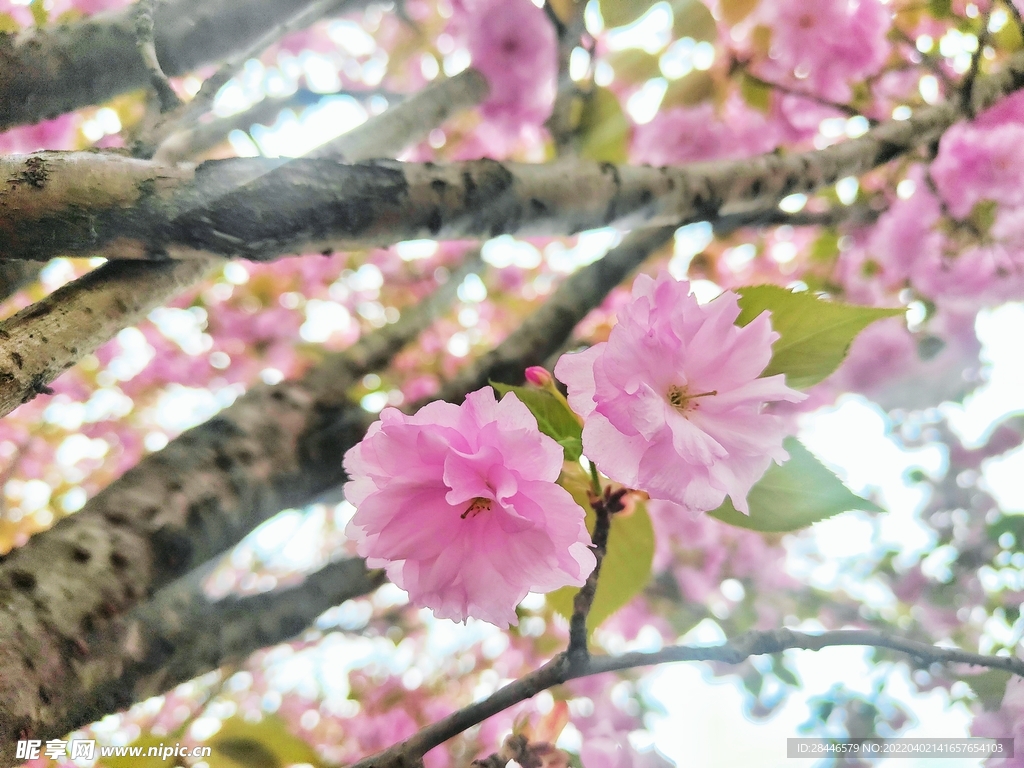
x,y
680,398
478,505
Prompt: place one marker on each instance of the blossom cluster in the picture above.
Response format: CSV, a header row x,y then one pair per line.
x,y
460,503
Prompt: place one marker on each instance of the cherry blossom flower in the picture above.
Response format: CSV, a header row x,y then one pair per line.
x,y
828,43
460,504
513,45
672,403
686,134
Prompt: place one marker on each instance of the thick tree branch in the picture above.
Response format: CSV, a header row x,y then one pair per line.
x,y
260,208
410,121
187,114
195,140
181,634
561,669
15,275
52,70
275,447
549,326
45,339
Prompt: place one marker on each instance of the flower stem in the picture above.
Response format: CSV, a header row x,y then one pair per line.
x,y
595,479
581,604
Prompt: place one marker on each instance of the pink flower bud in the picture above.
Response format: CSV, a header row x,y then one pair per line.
x,y
535,374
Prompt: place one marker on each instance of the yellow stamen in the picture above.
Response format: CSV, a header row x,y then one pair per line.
x,y
478,505
680,400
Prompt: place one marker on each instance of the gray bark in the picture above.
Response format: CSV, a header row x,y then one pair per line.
x,y
276,447
47,72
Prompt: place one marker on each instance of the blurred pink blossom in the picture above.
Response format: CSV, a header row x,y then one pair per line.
x,y
828,43
513,45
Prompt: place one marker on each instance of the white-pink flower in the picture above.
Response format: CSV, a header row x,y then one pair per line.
x,y
672,403
459,503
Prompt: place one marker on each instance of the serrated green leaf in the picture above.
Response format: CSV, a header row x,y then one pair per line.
x,y
691,18
989,687
815,334
626,568
554,418
144,742
617,13
793,496
264,744
603,132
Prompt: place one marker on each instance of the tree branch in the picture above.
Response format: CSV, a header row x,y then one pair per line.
x,y
189,113
604,506
260,208
180,634
561,669
549,326
47,338
51,70
147,49
410,121
275,447
192,142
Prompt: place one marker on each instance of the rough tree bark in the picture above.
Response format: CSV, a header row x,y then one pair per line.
x,y
275,447
49,71
122,654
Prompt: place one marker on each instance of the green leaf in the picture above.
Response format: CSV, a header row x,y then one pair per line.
x,y
756,93
691,18
815,334
39,14
989,687
553,414
627,564
617,13
264,744
7,24
690,90
792,496
603,133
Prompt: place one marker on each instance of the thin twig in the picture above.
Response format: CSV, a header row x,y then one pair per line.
x,y
147,48
846,109
967,86
189,113
605,505
561,669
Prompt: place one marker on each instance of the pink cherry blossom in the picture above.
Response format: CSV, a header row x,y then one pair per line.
x,y
460,504
672,403
980,163
513,44
828,43
686,134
